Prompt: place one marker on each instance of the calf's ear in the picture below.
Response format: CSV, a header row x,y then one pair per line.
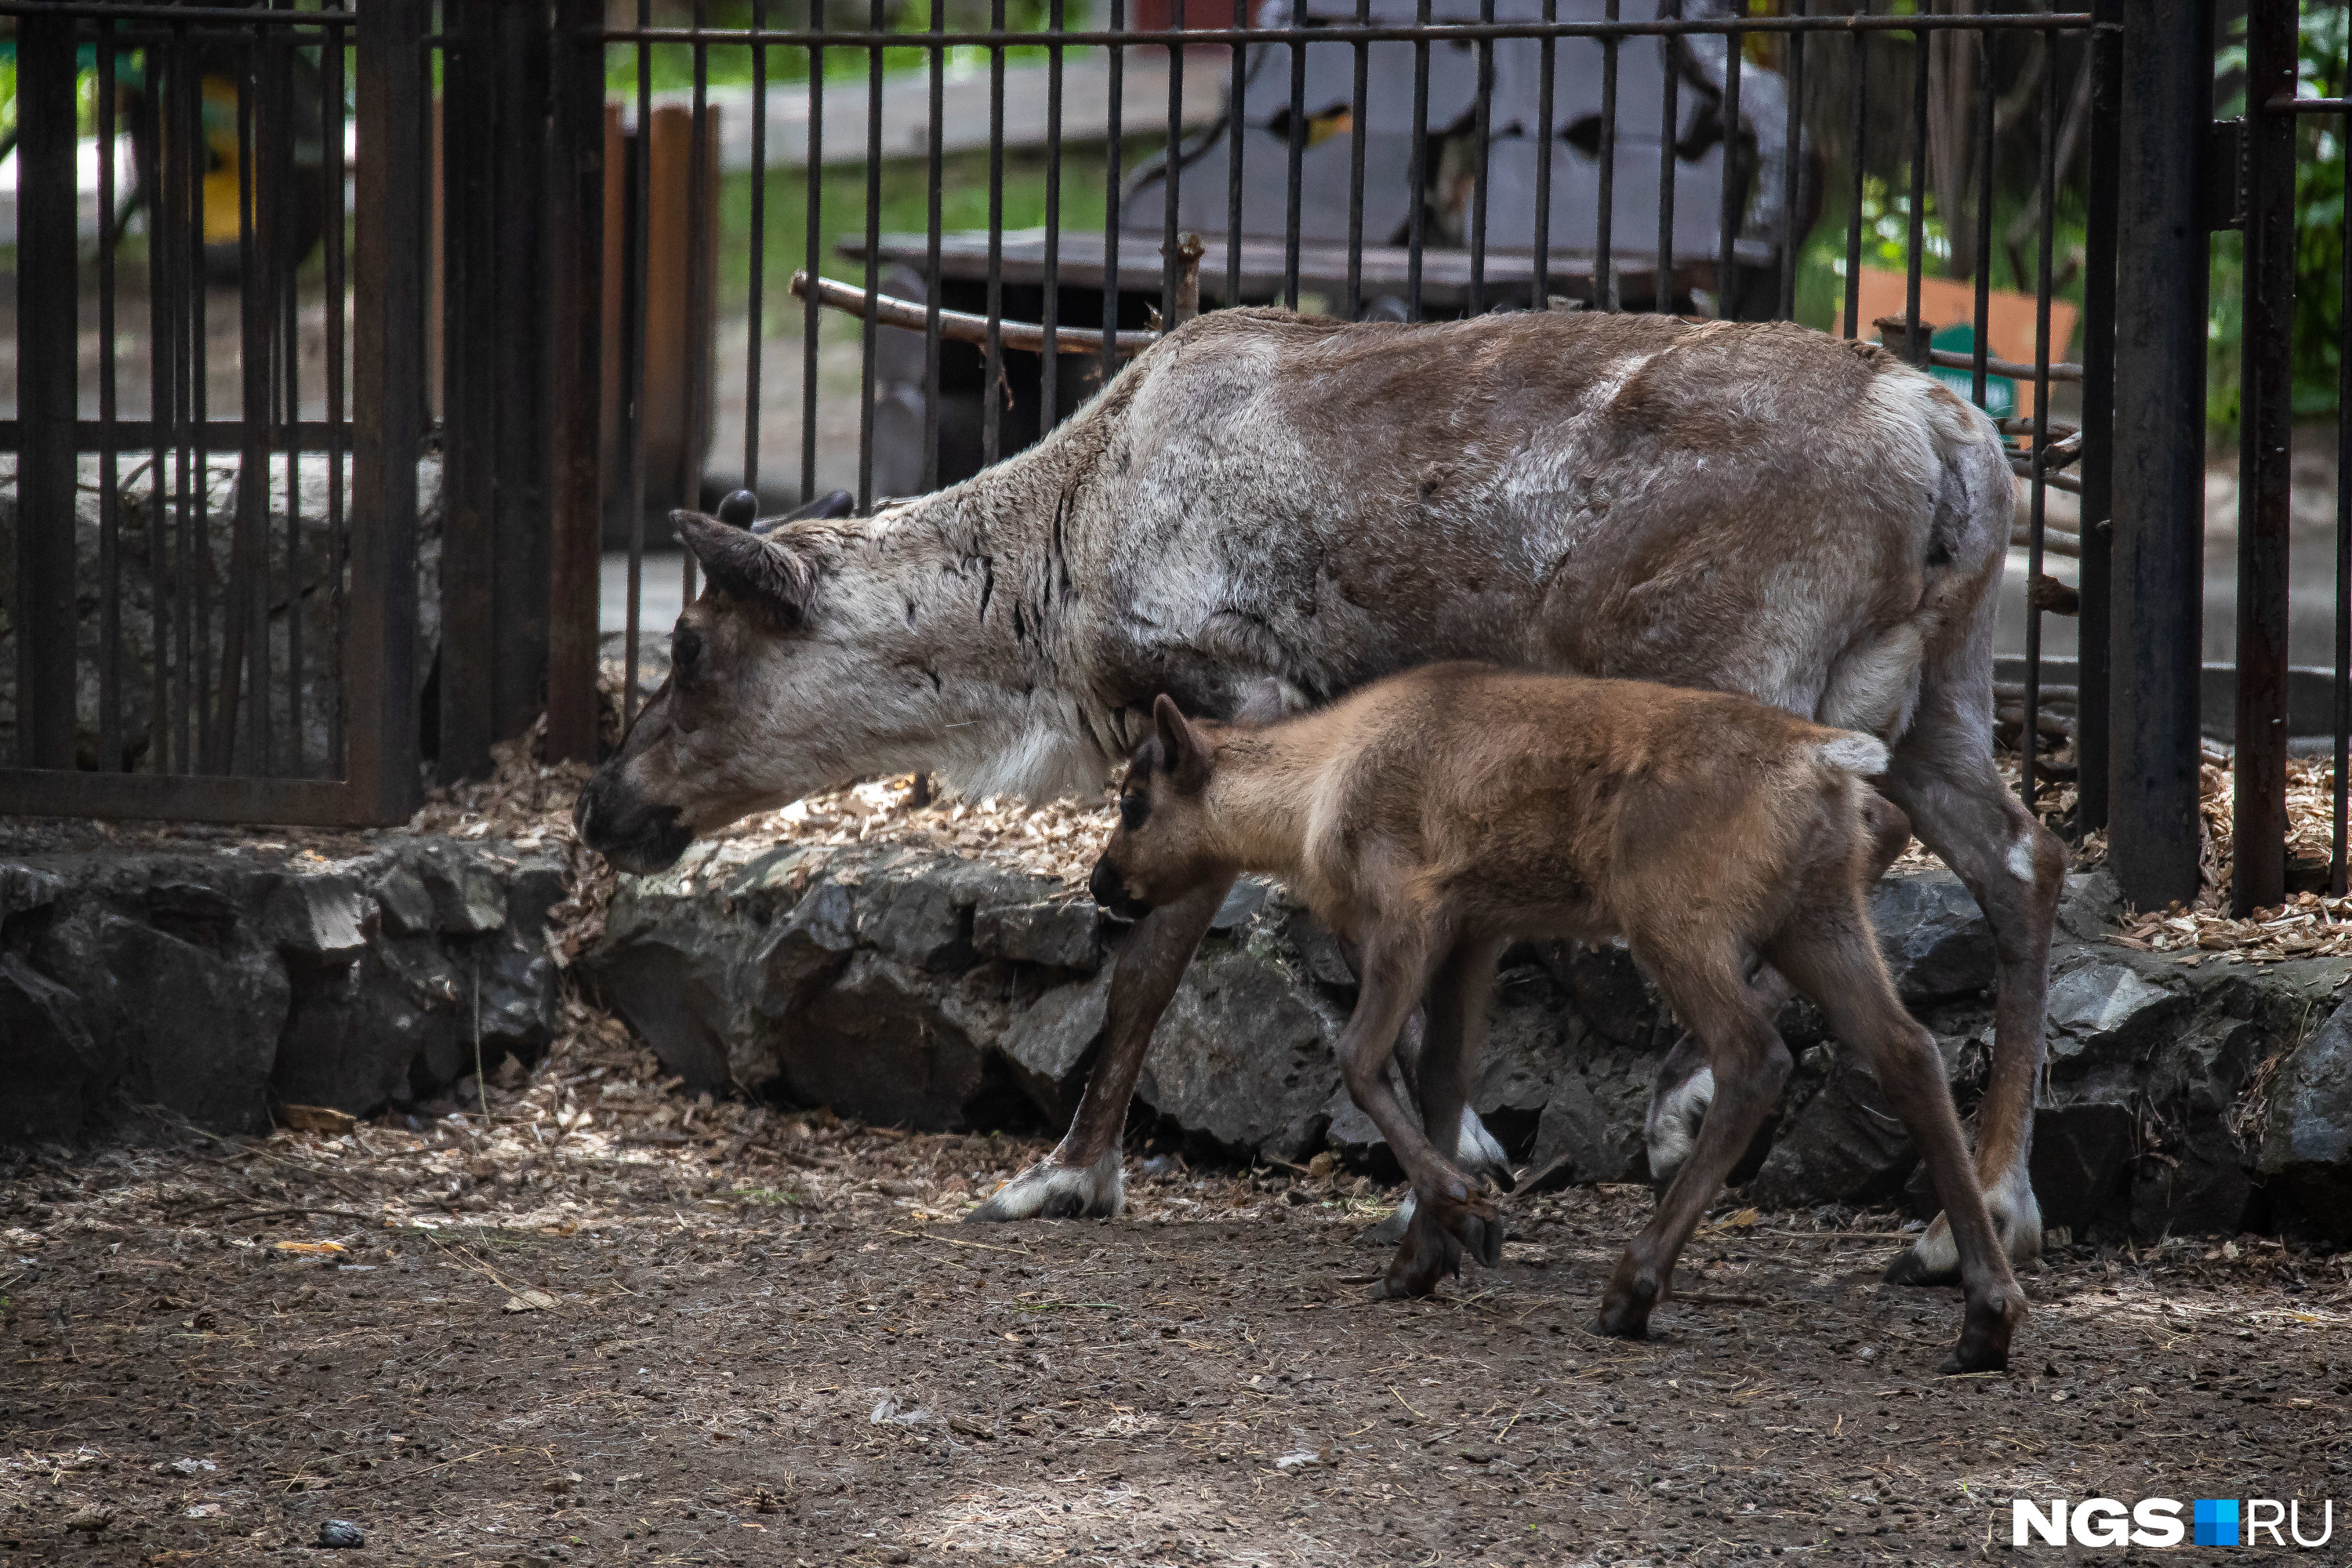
x,y
1182,752
759,570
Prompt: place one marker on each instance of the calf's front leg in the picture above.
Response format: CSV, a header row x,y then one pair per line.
x,y
1082,1177
1457,1028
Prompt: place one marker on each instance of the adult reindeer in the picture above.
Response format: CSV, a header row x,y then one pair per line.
x,y
1753,507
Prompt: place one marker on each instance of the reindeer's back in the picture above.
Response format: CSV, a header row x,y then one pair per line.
x,y
1720,504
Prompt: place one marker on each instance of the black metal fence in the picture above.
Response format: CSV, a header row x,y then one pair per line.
x,y
532,266
210,554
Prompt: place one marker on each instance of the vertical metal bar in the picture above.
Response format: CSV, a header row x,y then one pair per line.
x,y
1237,134
470,413
931,239
2343,753
1916,335
1858,154
1174,165
701,231
521,394
1114,221
575,311
1670,47
338,307
388,351
638,306
1049,360
1544,139
877,21
2029,741
2258,815
1297,150
1988,157
2094,569
196,544
994,387
1792,244
168,82
1416,220
1484,146
2159,464
283,263
1604,220
110,478
1734,205
812,253
756,260
245,656
1358,126
47,351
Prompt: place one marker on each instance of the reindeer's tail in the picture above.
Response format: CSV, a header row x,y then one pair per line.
x,y
1851,751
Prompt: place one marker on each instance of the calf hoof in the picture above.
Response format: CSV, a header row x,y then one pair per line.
x,y
1050,1190
1985,1334
1625,1309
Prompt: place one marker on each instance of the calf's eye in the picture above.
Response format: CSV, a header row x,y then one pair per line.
x,y
1132,810
685,647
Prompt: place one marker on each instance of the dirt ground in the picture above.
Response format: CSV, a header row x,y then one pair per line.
x,y
582,1319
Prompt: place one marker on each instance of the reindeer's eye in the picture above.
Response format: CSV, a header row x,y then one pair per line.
x,y
685,647
1132,810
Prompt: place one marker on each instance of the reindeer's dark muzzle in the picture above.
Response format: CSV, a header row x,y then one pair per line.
x,y
634,835
1109,890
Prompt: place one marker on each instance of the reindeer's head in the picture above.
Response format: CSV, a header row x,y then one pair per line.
x,y
1165,845
750,717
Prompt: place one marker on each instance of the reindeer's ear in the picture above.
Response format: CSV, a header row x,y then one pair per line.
x,y
1261,702
1181,750
758,571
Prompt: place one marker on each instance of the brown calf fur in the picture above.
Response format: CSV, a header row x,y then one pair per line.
x,y
1433,816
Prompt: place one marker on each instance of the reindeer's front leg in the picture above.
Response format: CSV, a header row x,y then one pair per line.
x,y
1083,1177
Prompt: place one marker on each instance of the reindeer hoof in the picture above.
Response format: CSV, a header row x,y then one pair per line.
x,y
1048,1190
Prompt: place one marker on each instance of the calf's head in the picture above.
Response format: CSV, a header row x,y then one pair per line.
x,y
748,718
1165,845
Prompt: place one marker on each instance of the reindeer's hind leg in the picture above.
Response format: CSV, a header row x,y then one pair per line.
x,y
1082,1177
1750,1064
1449,1060
1943,775
1827,952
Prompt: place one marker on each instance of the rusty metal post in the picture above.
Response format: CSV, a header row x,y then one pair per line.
x,y
2258,813
518,368
46,352
2157,579
575,292
2091,747
388,408
470,398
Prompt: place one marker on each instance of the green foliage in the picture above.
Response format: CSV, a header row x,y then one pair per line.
x,y
670,67
2319,322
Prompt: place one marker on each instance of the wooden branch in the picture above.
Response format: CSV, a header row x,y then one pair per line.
x,y
2054,540
2060,370
1022,337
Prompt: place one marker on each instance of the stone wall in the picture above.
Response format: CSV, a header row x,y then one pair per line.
x,y
216,979
930,991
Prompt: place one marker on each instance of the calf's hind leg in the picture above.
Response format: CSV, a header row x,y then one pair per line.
x,y
1750,1064
1449,1059
1828,954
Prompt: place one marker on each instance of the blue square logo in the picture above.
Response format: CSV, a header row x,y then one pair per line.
x,y
2217,1521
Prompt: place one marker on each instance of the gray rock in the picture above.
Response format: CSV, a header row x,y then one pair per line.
x,y
917,920
2081,1165
876,1045
2103,1004
57,1071
1051,1043
1935,940
1249,896
1062,933
1242,1057
467,894
1844,1145
2306,1141
203,1025
318,918
406,907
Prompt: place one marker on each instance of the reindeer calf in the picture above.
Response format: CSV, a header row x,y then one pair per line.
x,y
1433,816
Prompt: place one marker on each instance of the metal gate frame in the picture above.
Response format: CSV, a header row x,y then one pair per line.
x,y
382,430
